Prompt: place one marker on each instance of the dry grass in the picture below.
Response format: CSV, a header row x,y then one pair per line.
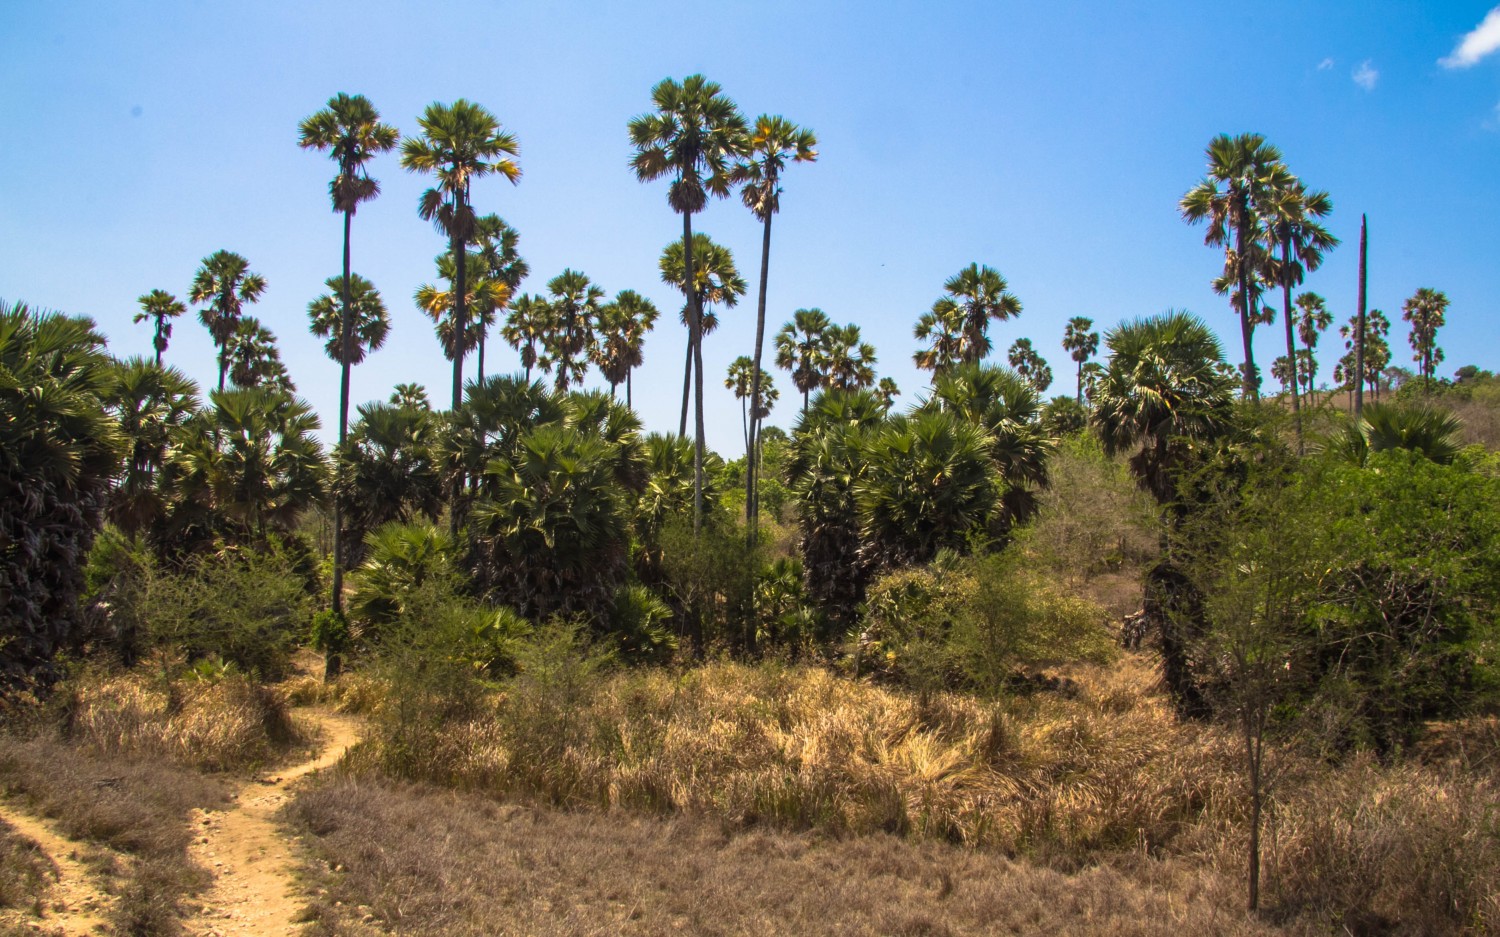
x,y
25,872
212,725
416,860
1101,773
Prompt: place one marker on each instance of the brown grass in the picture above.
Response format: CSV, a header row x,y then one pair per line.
x,y
25,872
416,860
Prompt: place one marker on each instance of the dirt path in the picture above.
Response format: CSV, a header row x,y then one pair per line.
x,y
255,890
75,904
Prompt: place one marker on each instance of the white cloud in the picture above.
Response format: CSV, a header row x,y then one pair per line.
x,y
1480,41
1325,65
1365,76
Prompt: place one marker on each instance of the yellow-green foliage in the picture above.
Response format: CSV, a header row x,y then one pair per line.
x,y
974,623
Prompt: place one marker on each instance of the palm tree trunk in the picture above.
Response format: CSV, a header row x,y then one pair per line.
x,y
1291,341
460,326
687,376
1250,384
159,342
695,323
1359,333
628,403
331,662
484,333
1080,382
752,508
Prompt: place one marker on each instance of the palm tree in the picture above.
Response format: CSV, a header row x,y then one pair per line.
x,y
1291,215
370,323
623,325
1364,360
498,259
1426,311
1241,173
1032,367
1312,320
847,362
410,396
222,286
1432,433
716,281
741,374
160,307
460,143
1081,344
388,471
149,403
693,139
575,310
800,348
888,391
773,141
981,294
944,328
253,358
440,305
529,322
61,451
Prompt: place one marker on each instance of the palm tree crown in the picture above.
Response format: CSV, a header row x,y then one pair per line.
x,y
980,294
368,327
160,307
350,131
800,350
222,286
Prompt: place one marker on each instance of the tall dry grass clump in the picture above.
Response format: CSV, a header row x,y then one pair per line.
x,y
224,723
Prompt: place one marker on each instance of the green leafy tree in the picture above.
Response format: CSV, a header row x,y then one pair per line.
x,y
1081,344
1242,171
800,349
693,139
388,472
529,321
159,307
459,143
150,405
222,286
1426,311
59,452
254,359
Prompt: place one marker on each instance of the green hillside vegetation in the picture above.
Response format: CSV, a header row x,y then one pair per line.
x,y
1156,654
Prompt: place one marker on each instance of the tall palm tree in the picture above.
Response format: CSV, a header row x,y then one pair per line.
x,y
848,362
623,325
222,286
529,321
1241,173
944,328
1313,318
499,260
441,305
161,308
61,450
1426,311
716,281
693,139
800,348
575,310
773,142
739,379
459,143
981,294
1291,221
1081,344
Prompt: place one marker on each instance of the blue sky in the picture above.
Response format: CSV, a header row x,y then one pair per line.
x,y
1051,141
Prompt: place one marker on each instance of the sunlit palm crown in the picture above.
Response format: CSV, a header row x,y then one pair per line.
x,y
497,252
349,129
1078,339
371,323
944,327
981,294
460,142
222,285
800,348
715,277
773,142
1291,213
693,137
1242,172
1314,317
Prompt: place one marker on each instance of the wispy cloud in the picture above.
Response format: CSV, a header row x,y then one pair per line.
x,y
1365,76
1479,42
1325,65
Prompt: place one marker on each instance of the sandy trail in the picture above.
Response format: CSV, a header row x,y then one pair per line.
x,y
255,892
75,904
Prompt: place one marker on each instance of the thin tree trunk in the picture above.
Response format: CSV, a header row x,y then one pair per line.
x,y
332,663
1253,752
687,376
484,333
1291,341
695,320
1359,333
1080,382
628,402
159,342
460,327
752,457
1250,383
